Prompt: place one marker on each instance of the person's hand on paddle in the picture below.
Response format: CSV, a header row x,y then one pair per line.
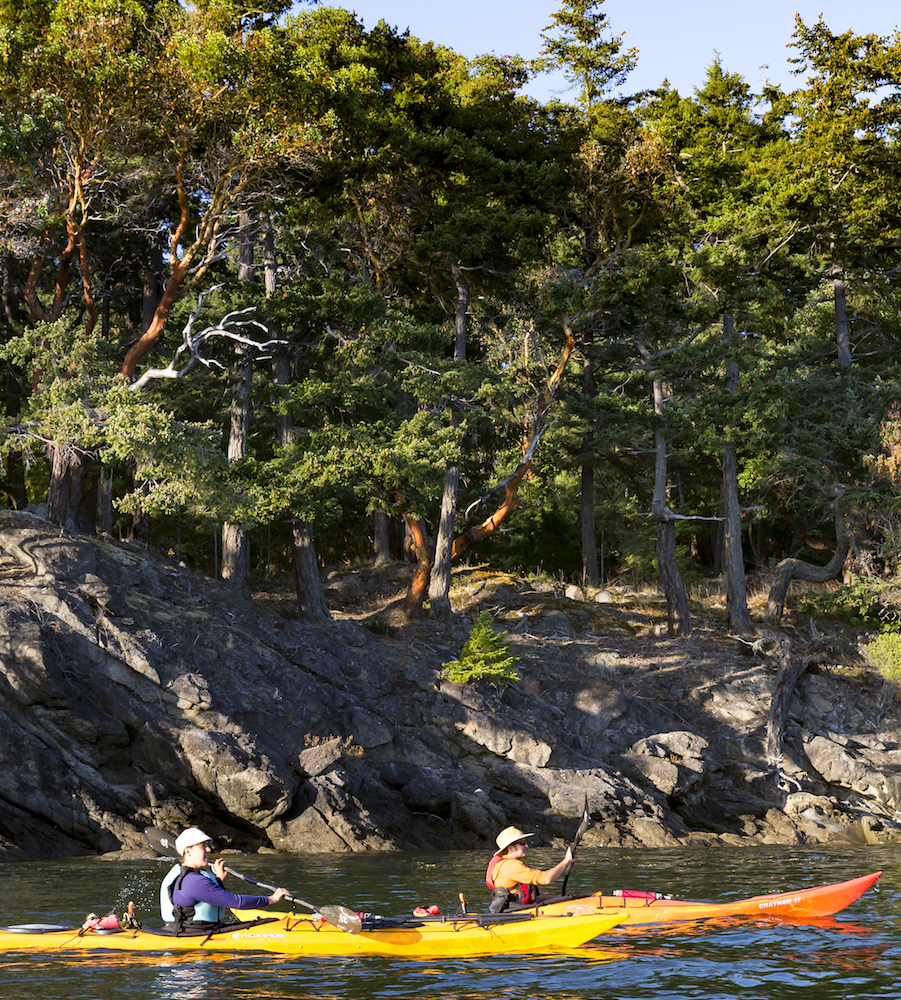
x,y
570,856
220,871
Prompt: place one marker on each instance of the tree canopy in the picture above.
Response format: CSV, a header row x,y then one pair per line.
x,y
578,307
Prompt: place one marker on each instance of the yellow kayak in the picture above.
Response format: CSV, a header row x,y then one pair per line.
x,y
287,934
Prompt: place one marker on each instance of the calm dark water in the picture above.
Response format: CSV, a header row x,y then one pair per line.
x,y
857,954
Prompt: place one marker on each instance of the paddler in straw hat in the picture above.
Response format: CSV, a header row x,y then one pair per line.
x,y
508,876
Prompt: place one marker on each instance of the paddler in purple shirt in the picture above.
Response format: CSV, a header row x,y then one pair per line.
x,y
192,896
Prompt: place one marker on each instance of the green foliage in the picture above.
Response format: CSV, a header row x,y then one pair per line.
x,y
179,463
485,657
576,42
538,535
855,603
407,188
888,462
884,652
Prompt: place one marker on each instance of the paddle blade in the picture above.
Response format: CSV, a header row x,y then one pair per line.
x,y
583,826
342,918
162,842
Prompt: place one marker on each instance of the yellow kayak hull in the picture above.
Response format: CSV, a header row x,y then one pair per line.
x,y
293,935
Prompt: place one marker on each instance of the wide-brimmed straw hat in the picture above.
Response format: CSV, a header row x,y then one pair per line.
x,y
509,836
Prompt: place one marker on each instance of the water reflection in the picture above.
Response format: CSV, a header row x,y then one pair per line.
x,y
185,982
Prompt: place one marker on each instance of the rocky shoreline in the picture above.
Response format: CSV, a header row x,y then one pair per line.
x,y
135,693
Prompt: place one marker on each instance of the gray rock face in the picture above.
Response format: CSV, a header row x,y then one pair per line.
x,y
874,772
672,762
133,694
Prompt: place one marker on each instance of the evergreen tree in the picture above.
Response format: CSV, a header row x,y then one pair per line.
x,y
577,41
485,657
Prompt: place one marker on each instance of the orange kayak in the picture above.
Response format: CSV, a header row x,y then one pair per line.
x,y
801,904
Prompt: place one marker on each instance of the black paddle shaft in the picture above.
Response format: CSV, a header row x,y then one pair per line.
x,y
583,826
271,888
164,843
342,917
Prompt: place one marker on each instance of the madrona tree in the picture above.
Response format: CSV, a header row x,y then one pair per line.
x,y
134,123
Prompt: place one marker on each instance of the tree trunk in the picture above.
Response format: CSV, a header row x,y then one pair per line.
x,y
512,484
842,333
10,291
737,613
788,669
64,493
311,606
719,565
188,259
235,567
235,540
590,575
148,340
462,311
14,478
670,580
381,540
270,260
420,580
153,279
797,569
139,527
491,524
103,523
439,584
246,269
678,616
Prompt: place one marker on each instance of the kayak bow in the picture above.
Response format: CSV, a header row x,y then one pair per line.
x,y
801,904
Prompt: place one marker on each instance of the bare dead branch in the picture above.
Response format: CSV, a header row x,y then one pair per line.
x,y
231,327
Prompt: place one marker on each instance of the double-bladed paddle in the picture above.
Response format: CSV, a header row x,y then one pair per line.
x,y
583,826
339,916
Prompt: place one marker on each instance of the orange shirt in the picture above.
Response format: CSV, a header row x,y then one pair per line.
x,y
509,872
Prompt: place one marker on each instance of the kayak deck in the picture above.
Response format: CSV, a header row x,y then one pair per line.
x,y
801,904
288,934
566,924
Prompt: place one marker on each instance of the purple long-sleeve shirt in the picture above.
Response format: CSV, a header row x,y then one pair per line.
x,y
196,887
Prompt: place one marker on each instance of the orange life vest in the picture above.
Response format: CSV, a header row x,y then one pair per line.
x,y
527,893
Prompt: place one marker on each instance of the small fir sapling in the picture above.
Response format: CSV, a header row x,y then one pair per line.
x,y
485,657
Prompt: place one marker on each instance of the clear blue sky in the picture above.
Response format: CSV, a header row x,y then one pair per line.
x,y
676,40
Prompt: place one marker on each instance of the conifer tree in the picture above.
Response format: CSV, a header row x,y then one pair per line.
x,y
485,657
575,40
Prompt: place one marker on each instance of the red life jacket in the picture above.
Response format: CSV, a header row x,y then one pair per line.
x,y
527,893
